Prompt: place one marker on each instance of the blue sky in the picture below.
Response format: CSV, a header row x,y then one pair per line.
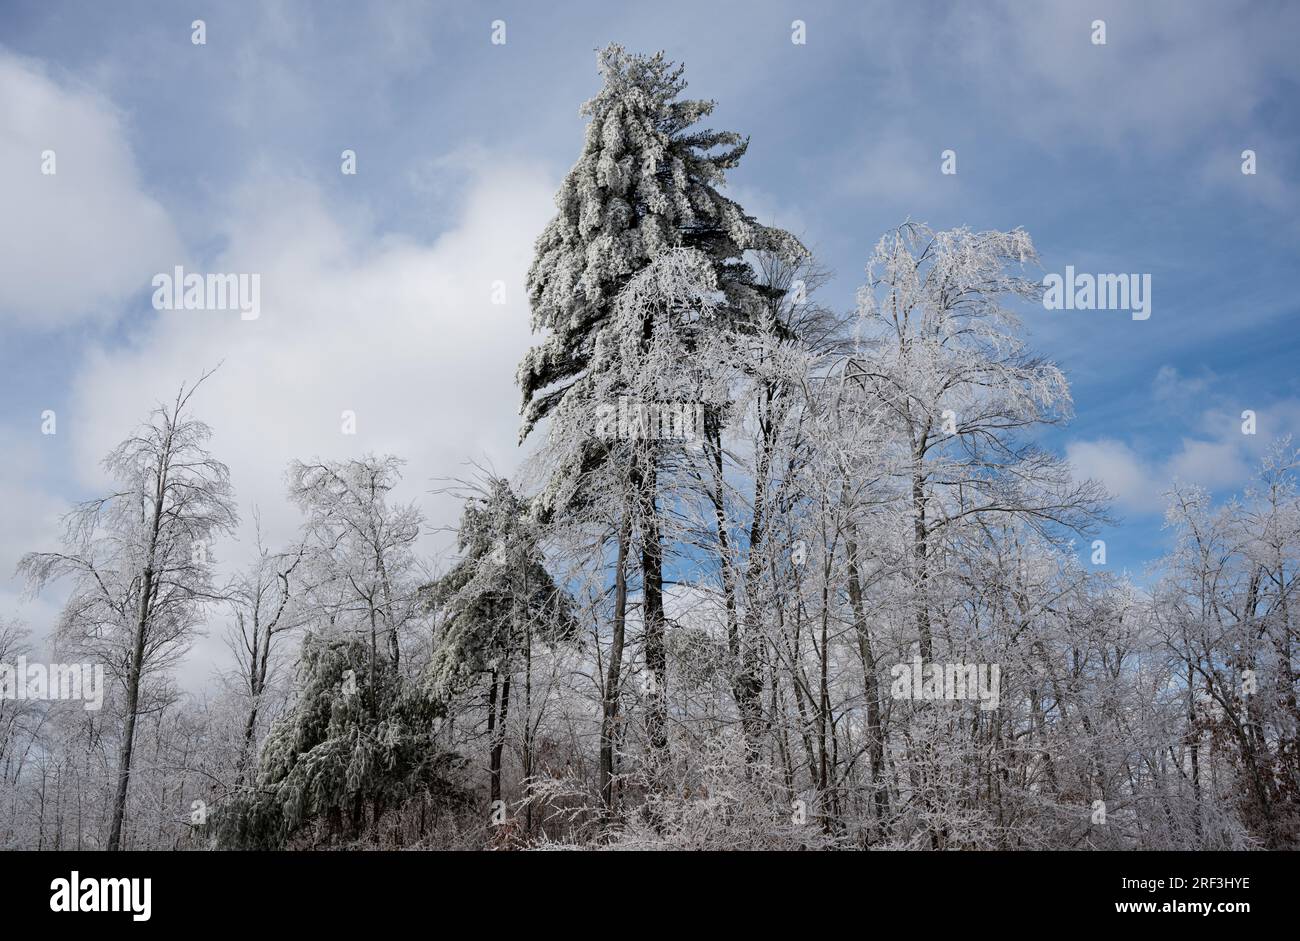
x,y
1123,157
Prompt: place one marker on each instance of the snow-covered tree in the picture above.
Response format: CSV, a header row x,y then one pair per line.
x,y
492,606
647,181
356,745
645,184
140,561
942,352
260,601
359,549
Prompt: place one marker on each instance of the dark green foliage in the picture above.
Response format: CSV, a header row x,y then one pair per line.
x,y
359,741
497,597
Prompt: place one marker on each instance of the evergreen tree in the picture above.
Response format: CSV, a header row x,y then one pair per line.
x,y
495,602
358,740
646,183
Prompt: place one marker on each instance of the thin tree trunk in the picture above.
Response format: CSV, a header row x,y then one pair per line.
x,y
609,717
652,589
920,551
498,709
136,669
528,721
749,682
875,727
128,732
499,746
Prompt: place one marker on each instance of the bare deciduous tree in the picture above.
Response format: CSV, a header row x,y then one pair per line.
x,y
140,561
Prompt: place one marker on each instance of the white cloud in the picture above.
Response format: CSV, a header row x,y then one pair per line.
x,y
75,243
1221,459
32,515
1214,465
1138,483
1134,484
401,332
1173,387
1217,455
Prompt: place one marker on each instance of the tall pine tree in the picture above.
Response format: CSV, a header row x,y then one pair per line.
x,y
646,183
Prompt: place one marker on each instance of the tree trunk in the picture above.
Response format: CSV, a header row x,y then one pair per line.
x,y
257,686
498,712
749,681
136,669
920,551
613,672
652,589
128,732
875,728
528,722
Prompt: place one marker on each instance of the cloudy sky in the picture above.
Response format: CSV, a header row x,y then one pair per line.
x,y
376,287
